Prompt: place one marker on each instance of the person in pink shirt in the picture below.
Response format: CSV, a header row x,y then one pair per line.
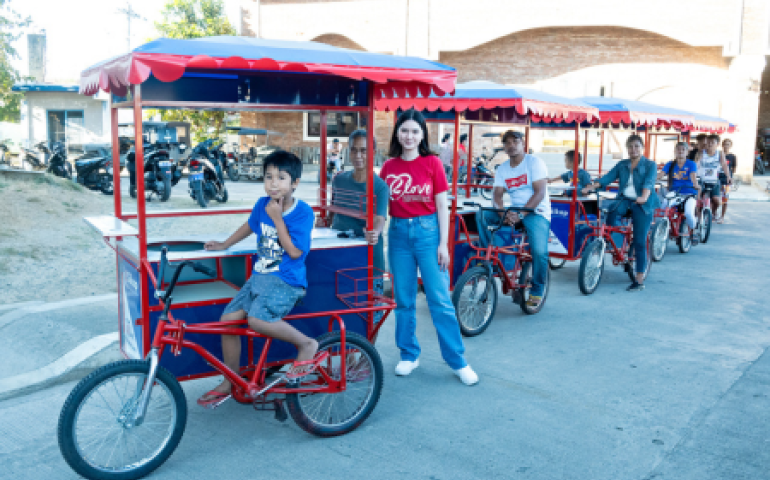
x,y
417,238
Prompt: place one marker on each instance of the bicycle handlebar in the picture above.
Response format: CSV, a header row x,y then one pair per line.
x,y
165,295
500,210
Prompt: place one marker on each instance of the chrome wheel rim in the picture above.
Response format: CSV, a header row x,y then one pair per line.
x,y
593,268
660,241
103,429
471,311
337,409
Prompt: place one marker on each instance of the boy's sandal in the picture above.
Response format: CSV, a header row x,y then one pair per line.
x,y
214,399
305,368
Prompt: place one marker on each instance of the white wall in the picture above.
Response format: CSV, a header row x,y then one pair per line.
x,y
35,119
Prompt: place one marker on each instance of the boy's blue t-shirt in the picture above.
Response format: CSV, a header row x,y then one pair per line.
x,y
680,177
584,178
272,259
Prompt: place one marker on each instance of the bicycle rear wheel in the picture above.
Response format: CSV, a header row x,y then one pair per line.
x,y
96,433
705,225
660,239
332,414
684,241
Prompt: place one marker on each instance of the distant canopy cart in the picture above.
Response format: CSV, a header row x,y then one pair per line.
x,y
492,104
246,74
249,163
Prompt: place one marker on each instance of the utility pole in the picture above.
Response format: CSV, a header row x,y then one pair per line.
x,y
130,13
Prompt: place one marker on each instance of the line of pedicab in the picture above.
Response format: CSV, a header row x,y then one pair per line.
x,y
314,357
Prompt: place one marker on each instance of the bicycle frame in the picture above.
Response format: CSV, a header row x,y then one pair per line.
x,y
171,332
601,230
491,256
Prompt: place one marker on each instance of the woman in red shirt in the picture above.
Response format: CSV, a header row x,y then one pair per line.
x,y
417,238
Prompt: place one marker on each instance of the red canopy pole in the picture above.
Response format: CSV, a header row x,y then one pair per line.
x,y
647,141
573,203
526,139
601,151
370,206
585,152
115,162
456,155
469,161
322,166
453,209
140,216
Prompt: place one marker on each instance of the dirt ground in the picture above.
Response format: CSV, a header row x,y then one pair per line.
x,y
47,251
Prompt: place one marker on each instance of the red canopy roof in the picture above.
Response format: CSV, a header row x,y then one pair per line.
x,y
540,106
167,60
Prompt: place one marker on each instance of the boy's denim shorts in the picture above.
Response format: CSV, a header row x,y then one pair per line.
x,y
266,297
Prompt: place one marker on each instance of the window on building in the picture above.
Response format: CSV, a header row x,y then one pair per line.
x,y
66,126
338,125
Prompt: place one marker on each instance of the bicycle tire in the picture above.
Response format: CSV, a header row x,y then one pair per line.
x,y
660,239
74,407
707,219
684,241
469,328
294,401
587,287
486,192
525,277
556,263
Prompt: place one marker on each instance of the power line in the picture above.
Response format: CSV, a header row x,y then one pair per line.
x,y
130,13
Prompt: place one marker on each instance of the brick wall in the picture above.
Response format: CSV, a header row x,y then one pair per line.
x,y
543,53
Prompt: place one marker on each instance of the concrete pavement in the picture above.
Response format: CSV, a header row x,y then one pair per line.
x,y
669,383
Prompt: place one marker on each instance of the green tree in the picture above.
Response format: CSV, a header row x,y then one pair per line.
x,y
10,31
195,19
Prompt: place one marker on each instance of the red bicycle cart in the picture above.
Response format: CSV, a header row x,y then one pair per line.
x,y
169,312
472,265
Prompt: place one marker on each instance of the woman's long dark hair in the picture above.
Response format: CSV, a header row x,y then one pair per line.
x,y
396,150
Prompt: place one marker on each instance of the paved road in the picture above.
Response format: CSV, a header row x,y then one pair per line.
x,y
670,383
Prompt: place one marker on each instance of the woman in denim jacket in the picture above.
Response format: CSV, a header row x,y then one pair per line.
x,y
636,187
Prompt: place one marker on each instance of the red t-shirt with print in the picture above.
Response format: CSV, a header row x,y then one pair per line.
x,y
414,185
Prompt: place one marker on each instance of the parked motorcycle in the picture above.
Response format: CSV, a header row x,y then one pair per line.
x,y
36,160
205,180
94,170
5,159
58,164
160,173
481,176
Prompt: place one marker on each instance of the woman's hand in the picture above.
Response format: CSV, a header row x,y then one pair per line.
x,y
443,258
372,236
320,222
588,189
641,201
214,245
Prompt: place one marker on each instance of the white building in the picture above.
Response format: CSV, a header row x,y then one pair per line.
x,y
58,113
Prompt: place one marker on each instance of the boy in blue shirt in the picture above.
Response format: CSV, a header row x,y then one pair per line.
x,y
584,178
283,226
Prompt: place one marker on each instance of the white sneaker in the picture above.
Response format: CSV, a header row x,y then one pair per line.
x,y
467,375
405,367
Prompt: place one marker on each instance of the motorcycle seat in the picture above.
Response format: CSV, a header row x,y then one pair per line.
x,y
88,161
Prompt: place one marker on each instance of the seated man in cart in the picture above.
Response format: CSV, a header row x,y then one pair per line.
x,y
525,178
283,226
349,188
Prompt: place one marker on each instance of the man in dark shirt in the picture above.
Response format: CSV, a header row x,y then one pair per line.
x,y
701,138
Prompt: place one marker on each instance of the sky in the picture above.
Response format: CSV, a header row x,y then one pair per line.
x,y
81,33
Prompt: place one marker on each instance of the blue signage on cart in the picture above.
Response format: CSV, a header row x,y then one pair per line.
x,y
130,309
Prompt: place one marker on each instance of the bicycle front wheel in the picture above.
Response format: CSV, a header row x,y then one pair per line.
x,y
97,436
475,301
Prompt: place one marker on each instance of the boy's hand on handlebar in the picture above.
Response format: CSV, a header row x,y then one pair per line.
x,y
214,245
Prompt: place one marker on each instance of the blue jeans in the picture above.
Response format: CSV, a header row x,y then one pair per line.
x,y
640,222
538,230
413,243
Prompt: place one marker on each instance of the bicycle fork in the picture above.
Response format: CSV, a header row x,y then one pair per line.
x,y
144,390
